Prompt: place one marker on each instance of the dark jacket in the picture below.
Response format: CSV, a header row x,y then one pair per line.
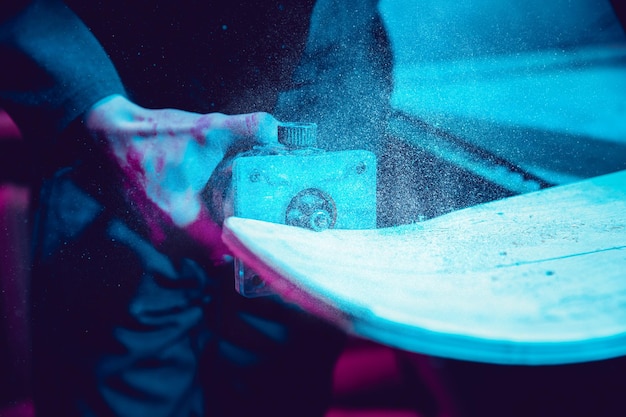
x,y
195,55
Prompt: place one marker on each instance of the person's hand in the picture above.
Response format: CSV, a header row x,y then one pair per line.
x,y
167,156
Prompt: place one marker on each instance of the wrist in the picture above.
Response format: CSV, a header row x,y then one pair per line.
x,y
110,114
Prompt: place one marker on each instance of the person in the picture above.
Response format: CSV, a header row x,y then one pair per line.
x,y
128,108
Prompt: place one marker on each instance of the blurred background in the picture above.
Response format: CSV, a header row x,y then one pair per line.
x,y
499,87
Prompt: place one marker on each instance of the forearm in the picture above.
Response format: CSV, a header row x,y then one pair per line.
x,y
53,69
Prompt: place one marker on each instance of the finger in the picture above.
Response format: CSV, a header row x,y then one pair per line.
x,y
259,127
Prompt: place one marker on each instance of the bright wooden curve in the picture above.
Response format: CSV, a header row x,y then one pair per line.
x,y
538,278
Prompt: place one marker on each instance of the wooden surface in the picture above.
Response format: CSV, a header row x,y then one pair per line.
x,y
534,279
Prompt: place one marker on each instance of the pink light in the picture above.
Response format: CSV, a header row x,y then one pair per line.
x,y
8,129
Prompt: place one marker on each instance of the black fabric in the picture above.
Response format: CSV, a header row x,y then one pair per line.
x,y
202,56
52,69
121,328
117,325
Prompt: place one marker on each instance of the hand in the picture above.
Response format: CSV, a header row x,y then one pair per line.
x,y
168,155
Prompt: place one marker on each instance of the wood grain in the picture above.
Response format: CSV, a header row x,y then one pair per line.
x,y
534,279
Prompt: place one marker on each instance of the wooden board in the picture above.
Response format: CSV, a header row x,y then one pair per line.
x,y
534,279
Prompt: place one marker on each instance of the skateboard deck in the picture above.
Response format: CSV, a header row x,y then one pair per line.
x,y
534,279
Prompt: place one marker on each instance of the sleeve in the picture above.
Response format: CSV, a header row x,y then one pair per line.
x,y
52,69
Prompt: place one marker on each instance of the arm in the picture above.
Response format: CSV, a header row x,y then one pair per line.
x,y
58,72
52,68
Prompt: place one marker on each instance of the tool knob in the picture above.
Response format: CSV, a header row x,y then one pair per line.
x,y
298,135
